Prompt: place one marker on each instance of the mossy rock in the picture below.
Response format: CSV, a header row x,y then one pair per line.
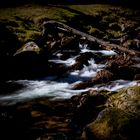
x,y
126,100
113,124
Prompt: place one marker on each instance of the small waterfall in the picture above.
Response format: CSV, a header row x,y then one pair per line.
x,y
55,87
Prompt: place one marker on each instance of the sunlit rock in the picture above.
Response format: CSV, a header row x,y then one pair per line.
x,y
29,61
30,46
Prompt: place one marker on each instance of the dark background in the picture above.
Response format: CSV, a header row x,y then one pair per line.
x,y
125,3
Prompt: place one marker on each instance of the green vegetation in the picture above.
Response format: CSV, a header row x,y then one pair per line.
x,y
112,125
25,21
102,21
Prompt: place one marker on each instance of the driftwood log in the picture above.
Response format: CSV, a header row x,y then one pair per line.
x,y
103,44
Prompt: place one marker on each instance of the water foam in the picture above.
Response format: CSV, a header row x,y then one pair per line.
x,y
59,87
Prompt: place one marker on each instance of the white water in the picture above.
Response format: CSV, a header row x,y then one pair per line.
x,y
56,87
68,62
84,48
55,90
116,85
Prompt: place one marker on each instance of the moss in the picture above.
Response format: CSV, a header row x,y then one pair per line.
x,y
111,124
120,120
116,117
115,34
135,90
22,20
102,129
126,100
32,35
94,31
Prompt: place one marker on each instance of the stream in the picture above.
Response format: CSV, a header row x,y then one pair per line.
x,y
61,87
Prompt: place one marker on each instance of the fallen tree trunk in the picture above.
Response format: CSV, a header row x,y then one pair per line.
x,y
103,44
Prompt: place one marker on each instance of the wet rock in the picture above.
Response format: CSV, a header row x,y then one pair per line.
x,y
119,60
53,47
89,105
102,76
82,60
70,43
132,44
121,66
83,85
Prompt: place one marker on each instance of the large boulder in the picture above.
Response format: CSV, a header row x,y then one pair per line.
x,y
29,61
120,120
113,124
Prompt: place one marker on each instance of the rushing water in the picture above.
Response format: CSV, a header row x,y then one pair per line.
x,y
55,87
